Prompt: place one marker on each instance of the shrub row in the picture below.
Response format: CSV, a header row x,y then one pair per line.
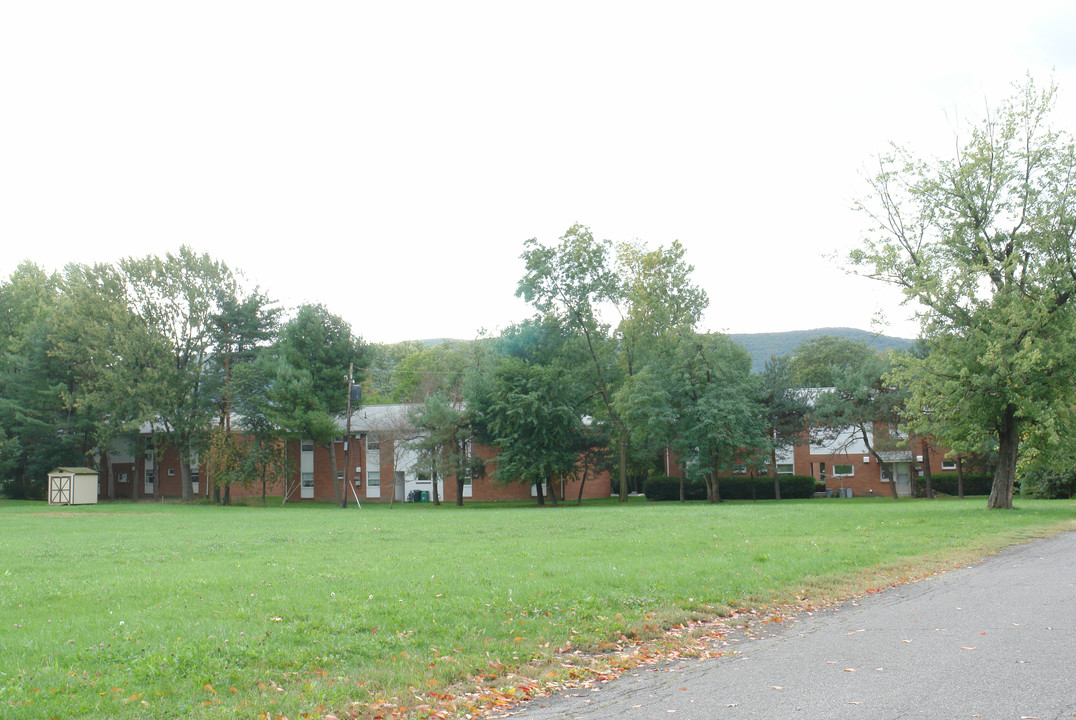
x,y
973,484
661,487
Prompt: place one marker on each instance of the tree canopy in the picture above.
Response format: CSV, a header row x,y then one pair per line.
x,y
982,242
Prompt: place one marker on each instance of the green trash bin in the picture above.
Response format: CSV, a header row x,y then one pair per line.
x,y
424,496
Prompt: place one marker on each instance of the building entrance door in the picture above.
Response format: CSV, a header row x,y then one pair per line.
x,y
902,472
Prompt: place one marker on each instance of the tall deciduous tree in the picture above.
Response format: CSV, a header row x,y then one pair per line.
x,y
573,279
651,291
176,298
720,418
114,359
984,243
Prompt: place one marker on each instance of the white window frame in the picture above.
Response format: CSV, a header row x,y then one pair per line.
x,y
948,464
851,470
790,471
739,469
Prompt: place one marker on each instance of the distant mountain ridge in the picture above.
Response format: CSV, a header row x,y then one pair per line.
x,y
762,345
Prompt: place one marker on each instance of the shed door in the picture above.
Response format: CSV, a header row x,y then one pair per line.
x,y
60,490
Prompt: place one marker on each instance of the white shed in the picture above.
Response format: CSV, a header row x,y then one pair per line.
x,y
73,486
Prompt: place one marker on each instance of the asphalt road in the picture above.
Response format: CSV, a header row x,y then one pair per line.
x,y
996,640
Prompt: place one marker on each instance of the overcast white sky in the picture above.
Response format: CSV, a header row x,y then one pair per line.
x,y
389,159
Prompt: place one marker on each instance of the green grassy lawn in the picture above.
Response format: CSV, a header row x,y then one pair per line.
x,y
171,611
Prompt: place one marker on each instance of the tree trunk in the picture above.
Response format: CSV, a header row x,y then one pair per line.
x,y
582,484
541,494
552,491
227,500
926,469
878,459
461,470
960,478
1005,476
460,477
773,468
338,494
623,465
106,457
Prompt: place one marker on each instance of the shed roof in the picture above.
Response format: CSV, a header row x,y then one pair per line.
x,y
73,471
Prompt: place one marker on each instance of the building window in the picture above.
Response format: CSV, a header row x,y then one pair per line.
x,y
785,469
308,446
373,478
373,442
121,477
843,470
171,472
739,469
948,464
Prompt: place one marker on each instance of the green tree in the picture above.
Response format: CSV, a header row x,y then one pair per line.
x,y
443,440
860,400
785,409
983,242
322,345
650,290
176,299
534,422
431,369
719,418
108,352
39,430
819,362
572,280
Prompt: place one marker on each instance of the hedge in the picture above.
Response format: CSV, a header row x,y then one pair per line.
x,y
946,483
738,487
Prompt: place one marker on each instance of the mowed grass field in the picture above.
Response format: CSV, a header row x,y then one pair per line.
x,y
172,611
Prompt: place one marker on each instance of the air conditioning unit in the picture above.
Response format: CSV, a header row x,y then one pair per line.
x,y
866,459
